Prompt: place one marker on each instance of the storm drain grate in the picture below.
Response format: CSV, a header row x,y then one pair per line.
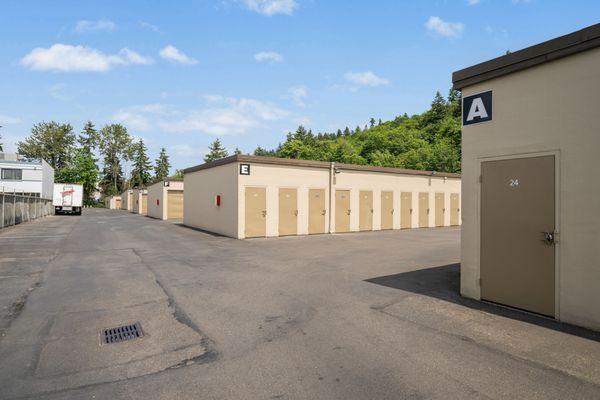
x,y
122,333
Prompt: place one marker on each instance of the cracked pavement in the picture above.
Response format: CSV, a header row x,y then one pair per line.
x,y
354,316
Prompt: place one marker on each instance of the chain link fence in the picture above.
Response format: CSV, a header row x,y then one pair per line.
x,y
16,208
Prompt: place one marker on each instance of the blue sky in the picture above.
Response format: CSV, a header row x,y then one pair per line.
x,y
181,73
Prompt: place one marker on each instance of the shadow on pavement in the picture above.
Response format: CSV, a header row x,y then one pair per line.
x,y
444,283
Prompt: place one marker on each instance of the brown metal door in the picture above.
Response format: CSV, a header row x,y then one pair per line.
x,y
342,211
256,212
517,255
440,209
288,212
454,208
423,210
366,211
316,211
406,210
175,204
387,210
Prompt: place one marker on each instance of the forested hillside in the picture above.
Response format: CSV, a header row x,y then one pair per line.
x,y
429,141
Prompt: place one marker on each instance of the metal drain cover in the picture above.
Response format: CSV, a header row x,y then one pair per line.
x,y
122,333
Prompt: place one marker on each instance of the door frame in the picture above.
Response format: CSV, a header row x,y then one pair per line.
x,y
266,207
557,205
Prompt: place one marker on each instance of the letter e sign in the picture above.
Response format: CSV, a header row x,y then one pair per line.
x,y
244,169
477,108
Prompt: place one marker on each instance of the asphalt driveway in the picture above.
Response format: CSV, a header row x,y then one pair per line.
x,y
354,316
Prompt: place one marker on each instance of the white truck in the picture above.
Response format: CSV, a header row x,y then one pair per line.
x,y
68,198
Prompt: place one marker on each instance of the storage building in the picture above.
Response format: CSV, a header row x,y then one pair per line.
x,y
113,202
139,199
249,196
127,200
165,199
531,231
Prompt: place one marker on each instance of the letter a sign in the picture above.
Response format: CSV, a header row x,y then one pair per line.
x,y
477,108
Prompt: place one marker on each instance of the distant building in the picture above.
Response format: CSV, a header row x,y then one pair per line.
x,y
32,177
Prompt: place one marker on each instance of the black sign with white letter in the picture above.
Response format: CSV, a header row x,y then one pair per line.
x,y
477,108
244,169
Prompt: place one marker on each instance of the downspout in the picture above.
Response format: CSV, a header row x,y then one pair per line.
x,y
331,183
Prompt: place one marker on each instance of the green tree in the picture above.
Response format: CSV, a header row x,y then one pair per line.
x,y
215,151
178,173
49,141
372,122
237,151
115,146
88,138
84,171
162,167
140,174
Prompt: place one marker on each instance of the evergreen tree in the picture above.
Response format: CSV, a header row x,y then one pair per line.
x,y
89,138
84,171
215,151
372,122
51,142
347,131
115,146
237,151
163,166
140,174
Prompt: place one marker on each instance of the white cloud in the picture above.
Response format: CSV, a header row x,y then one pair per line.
x,y
171,53
268,56
221,116
297,94
185,150
367,78
148,25
95,26
271,7
67,58
58,92
8,120
439,27
473,2
133,57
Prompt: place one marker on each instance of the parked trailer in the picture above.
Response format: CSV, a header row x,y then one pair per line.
x,y
68,198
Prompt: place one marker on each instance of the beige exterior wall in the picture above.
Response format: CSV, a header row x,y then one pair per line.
x,y
547,109
158,191
199,208
355,181
112,202
273,177
126,203
136,199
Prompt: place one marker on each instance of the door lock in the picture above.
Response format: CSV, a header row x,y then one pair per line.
x,y
549,238
264,213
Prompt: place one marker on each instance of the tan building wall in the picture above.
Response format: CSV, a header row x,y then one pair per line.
x,y
273,177
126,200
137,200
113,202
548,109
199,208
355,181
158,198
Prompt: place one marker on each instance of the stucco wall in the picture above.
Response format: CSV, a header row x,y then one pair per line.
x,y
551,108
158,191
355,181
274,177
136,200
126,203
199,208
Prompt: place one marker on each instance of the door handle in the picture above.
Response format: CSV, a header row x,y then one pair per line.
x,y
371,211
264,213
348,212
392,211
323,212
549,238
296,213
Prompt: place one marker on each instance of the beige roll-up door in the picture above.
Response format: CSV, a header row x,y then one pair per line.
x,y
342,211
117,204
406,210
366,211
144,208
517,233
288,212
387,210
423,210
256,212
454,208
175,204
316,211
440,209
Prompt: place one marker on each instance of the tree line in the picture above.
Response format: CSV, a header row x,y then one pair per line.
x,y
73,157
427,141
